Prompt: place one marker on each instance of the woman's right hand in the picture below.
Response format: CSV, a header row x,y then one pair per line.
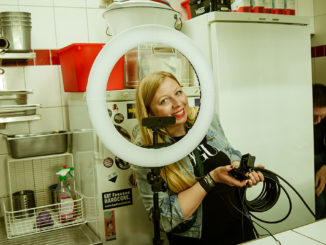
x,y
221,175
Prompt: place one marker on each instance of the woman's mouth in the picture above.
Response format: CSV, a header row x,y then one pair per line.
x,y
179,114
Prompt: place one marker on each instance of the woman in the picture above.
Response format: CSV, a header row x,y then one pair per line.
x,y
202,204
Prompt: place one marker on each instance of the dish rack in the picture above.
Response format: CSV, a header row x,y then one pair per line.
x,y
35,174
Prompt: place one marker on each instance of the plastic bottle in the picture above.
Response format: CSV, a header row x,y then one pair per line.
x,y
67,209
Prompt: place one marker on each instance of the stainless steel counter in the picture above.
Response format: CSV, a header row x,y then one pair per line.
x,y
81,235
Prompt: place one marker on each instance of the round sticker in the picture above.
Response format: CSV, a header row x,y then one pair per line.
x,y
108,162
132,180
110,112
121,163
123,132
135,131
118,118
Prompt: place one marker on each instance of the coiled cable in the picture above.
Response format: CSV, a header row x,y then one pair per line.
x,y
269,196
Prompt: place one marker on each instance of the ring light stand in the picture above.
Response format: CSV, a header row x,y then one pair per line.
x,y
101,121
154,177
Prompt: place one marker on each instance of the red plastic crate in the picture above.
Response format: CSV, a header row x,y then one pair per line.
x,y
76,61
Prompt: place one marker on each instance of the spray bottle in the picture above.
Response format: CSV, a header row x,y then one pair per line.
x,y
65,196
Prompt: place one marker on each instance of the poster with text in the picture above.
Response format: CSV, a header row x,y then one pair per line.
x,y
117,198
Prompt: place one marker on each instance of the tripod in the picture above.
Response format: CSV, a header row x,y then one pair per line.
x,y
154,177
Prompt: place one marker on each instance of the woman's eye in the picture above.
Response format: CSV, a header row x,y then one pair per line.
x,y
178,92
163,101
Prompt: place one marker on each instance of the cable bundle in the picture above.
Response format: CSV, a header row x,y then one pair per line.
x,y
270,195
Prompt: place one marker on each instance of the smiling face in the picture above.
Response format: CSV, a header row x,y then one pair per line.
x,y
170,100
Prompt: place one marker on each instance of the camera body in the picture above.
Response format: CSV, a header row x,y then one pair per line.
x,y
246,165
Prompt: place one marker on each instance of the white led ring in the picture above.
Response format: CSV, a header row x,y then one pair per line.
x,y
96,95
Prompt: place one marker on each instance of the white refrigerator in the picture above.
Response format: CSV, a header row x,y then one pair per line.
x,y
262,69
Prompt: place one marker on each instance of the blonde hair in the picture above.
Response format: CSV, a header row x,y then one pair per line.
x,y
175,175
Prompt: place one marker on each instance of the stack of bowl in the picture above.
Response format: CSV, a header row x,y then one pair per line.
x,y
16,28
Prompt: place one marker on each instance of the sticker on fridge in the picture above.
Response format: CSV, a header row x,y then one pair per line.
x,y
109,225
108,162
131,111
117,198
113,177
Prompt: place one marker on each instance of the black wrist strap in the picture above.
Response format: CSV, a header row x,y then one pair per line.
x,y
207,183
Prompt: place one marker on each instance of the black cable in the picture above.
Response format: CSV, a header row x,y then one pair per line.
x,y
270,195
278,241
266,200
252,221
265,171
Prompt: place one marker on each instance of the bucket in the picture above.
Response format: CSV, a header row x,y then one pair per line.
x,y
24,201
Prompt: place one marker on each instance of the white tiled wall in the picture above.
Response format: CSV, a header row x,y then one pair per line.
x,y
320,70
319,63
55,24
320,21
320,31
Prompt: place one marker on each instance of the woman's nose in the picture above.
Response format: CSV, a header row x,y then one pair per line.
x,y
176,102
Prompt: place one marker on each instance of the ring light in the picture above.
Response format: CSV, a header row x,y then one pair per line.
x,y
96,95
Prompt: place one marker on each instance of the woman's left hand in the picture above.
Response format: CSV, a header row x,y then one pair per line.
x,y
255,177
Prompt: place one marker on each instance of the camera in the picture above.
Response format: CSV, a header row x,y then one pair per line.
x,y
246,165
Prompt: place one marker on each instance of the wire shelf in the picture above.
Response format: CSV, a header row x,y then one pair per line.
x,y
36,175
46,218
79,234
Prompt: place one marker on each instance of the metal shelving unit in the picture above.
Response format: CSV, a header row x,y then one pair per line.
x,y
17,56
13,104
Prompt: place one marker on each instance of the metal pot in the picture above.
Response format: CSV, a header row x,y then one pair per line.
x,y
24,201
18,36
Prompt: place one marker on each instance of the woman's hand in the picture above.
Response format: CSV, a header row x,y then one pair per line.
x,y
320,180
221,175
255,177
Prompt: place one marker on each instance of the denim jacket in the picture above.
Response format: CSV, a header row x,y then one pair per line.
x,y
170,211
